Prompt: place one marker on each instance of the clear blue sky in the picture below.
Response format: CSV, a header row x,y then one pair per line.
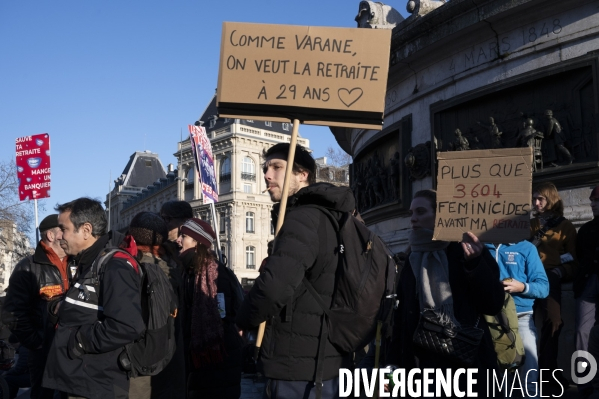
x,y
103,77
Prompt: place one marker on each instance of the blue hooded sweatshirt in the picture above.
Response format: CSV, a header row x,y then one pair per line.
x,y
521,262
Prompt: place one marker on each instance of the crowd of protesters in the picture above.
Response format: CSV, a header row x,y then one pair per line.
x,y
73,335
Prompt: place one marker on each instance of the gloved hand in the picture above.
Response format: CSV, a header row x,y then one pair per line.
x,y
554,314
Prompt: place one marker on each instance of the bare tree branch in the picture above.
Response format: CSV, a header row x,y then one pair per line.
x,y
11,208
16,217
337,157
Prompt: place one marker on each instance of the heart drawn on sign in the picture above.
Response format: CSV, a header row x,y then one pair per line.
x,y
349,97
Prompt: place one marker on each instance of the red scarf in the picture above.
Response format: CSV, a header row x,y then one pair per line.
x,y
60,264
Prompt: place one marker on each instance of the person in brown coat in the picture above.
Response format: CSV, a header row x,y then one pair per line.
x,y
555,239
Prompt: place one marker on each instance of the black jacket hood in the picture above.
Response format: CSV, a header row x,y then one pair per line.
x,y
340,199
324,194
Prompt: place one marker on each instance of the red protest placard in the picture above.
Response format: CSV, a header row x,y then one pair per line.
x,y
33,166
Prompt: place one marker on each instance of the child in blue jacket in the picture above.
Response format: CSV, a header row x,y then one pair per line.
x,y
524,277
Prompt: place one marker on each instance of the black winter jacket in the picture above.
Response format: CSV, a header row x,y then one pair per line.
x,y
587,251
476,290
24,310
102,330
307,242
222,381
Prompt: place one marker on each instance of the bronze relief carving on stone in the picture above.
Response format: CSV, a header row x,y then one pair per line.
x,y
418,161
378,176
554,113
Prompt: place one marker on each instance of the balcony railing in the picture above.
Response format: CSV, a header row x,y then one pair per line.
x,y
248,176
225,178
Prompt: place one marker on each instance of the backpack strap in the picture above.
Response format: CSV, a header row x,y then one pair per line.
x,y
97,268
335,224
324,336
288,310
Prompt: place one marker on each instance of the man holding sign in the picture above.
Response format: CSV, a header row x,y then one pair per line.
x,y
304,248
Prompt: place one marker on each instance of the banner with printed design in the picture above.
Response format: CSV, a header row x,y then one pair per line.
x,y
33,166
202,153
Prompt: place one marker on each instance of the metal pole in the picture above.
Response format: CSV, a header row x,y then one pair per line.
x,y
282,210
109,199
216,231
37,230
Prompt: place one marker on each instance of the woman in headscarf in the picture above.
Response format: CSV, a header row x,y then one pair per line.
x,y
459,283
212,297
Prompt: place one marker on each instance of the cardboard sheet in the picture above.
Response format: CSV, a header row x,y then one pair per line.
x,y
319,75
487,192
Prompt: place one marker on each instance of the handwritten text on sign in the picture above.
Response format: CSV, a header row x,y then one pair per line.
x,y
310,67
487,192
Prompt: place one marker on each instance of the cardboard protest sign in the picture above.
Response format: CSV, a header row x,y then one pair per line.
x,y
322,76
487,192
204,160
33,166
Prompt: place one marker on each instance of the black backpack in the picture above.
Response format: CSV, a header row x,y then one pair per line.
x,y
149,354
364,293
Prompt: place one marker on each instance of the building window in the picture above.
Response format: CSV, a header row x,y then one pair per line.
x,y
204,216
249,222
221,223
191,175
272,228
250,257
247,188
223,249
248,169
225,170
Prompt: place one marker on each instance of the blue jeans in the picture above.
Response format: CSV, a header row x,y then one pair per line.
x,y
528,333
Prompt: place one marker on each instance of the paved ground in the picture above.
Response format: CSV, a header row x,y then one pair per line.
x,y
252,386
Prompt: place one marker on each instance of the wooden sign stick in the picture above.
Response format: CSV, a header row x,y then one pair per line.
x,y
282,209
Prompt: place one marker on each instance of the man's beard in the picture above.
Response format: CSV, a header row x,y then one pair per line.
x,y
277,197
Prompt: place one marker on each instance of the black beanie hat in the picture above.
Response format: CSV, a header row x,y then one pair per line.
x,y
49,222
176,210
148,228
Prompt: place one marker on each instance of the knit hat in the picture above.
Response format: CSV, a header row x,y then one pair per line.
x,y
148,228
49,222
594,193
199,231
176,210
